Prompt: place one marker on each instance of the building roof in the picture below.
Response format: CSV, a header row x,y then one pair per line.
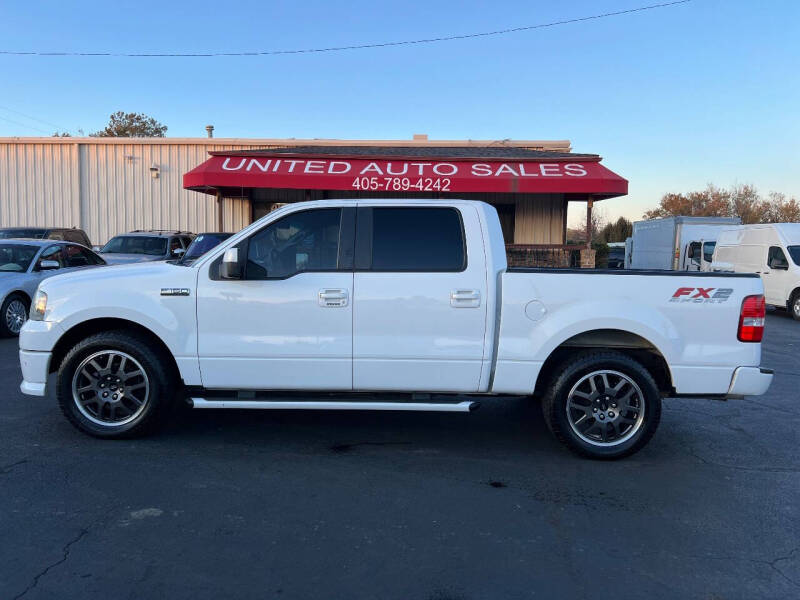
x,y
442,152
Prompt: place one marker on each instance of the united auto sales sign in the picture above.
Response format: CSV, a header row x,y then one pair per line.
x,y
405,175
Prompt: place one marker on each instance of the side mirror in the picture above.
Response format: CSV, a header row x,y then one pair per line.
x,y
49,265
178,252
230,267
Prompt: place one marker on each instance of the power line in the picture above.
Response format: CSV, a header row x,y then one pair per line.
x,y
35,119
448,38
24,125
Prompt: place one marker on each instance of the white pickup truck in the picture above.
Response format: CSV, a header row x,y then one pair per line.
x,y
390,305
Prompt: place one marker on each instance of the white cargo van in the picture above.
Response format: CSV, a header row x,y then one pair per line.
x,y
773,251
676,243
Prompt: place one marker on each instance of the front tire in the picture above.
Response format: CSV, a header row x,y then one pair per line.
x,y
13,314
602,405
114,385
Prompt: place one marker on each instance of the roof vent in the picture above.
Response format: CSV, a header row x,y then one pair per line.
x,y
210,130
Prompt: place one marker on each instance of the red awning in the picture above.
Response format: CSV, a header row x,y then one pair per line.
x,y
405,174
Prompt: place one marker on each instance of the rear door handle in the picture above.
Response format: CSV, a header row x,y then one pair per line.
x,y
465,298
333,298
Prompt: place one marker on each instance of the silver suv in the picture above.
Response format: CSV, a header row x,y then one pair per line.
x,y
146,245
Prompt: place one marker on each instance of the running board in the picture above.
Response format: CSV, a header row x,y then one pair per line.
x,y
465,406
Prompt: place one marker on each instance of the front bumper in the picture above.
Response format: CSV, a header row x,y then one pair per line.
x,y
749,381
35,368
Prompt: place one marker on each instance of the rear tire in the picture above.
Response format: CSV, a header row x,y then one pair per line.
x,y
115,385
602,405
794,305
13,314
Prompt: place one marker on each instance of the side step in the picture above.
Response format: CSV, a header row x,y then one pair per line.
x,y
464,406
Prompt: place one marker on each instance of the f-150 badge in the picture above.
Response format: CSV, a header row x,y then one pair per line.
x,y
174,291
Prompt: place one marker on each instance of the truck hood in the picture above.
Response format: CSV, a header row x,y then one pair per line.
x,y
124,275
119,258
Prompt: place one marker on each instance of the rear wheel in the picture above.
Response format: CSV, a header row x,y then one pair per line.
x,y
13,314
114,385
603,405
794,305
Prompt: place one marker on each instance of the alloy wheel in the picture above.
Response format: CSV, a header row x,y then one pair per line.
x,y
110,388
16,315
605,408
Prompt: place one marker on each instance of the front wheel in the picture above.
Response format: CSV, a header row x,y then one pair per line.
x,y
13,314
603,405
114,385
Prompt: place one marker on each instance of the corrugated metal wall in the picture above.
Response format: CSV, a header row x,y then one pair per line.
x,y
39,185
107,189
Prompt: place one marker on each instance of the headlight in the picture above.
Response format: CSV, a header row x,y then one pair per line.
x,y
39,306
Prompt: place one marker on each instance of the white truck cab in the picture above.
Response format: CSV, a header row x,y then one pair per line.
x,y
770,250
390,305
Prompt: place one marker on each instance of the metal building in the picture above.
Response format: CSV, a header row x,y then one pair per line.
x,y
108,186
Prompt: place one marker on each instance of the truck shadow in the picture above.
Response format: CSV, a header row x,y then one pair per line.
x,y
510,424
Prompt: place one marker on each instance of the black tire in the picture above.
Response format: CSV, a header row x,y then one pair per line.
x,y
794,305
573,376
159,385
15,298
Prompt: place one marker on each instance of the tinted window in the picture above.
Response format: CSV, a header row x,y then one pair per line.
x,y
708,251
16,258
794,252
417,239
202,244
21,233
136,244
52,253
776,257
78,256
303,241
73,235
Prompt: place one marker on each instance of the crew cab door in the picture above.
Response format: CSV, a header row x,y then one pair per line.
x,y
419,298
287,322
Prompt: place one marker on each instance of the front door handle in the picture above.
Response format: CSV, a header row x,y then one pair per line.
x,y
465,298
333,298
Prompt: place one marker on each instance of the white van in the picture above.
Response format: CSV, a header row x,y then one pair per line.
x,y
771,250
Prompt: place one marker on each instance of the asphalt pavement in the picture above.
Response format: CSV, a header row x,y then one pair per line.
x,y
304,505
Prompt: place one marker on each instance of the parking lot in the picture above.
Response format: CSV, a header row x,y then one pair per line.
x,y
401,505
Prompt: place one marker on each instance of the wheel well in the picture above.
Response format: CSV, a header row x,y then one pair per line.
x,y
626,342
792,296
87,328
20,293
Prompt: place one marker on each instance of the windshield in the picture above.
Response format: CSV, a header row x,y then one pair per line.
x,y
794,252
136,244
21,233
16,258
202,244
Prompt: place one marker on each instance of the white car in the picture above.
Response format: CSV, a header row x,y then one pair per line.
x,y
391,305
770,250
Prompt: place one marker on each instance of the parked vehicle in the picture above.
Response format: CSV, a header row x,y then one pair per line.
x,y
202,244
146,245
676,243
68,234
411,298
616,255
24,264
772,251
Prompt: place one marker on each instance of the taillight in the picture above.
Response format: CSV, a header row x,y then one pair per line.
x,y
751,319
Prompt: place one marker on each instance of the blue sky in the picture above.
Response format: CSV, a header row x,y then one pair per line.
x,y
672,98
